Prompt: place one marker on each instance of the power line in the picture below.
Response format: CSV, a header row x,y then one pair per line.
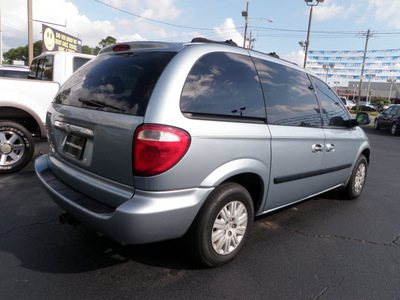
x,y
152,20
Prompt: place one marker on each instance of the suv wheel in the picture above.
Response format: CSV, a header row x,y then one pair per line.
x,y
16,147
376,125
394,129
222,225
357,180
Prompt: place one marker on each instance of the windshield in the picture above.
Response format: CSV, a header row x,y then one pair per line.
x,y
121,83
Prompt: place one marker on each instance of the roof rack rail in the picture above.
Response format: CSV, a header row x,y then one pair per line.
x,y
232,43
204,40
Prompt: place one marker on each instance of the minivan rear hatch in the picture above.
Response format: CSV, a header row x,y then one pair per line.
x,y
94,116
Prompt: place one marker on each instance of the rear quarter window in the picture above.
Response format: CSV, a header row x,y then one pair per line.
x,y
223,85
121,83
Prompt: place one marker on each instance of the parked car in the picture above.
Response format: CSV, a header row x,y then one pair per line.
x,y
153,141
24,102
367,106
14,71
345,102
389,119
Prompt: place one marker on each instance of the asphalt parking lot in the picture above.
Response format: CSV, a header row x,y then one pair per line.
x,y
323,248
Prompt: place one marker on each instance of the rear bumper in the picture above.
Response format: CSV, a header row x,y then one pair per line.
x,y
146,217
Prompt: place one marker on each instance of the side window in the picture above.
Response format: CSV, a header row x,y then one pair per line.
x,y
333,110
397,111
289,96
223,84
33,69
40,68
78,62
47,69
389,111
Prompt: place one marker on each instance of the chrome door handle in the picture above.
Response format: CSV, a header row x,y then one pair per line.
x,y
330,147
317,148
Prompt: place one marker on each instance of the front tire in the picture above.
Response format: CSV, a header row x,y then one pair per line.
x,y
221,226
394,129
376,125
357,180
16,147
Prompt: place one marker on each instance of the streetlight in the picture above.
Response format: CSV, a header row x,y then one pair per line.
x,y
310,3
369,83
245,14
326,67
391,80
355,86
336,83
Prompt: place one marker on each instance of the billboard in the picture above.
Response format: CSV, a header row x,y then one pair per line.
x,y
55,40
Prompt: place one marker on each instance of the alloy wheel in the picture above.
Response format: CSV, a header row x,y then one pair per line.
x,y
229,227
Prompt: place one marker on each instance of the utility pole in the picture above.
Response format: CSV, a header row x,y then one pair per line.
x,y
1,38
251,40
246,15
367,36
30,33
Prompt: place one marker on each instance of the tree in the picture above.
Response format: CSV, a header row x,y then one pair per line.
x,y
88,50
380,102
21,53
107,41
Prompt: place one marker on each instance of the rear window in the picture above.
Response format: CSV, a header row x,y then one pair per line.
x,y
79,62
121,83
13,74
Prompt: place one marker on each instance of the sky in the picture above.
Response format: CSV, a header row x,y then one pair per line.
x,y
336,24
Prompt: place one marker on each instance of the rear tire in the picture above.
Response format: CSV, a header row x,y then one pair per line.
x,y
357,180
16,147
222,225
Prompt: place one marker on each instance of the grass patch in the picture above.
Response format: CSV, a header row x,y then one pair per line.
x,y
371,113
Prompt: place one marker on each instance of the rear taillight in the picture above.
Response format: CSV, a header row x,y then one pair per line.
x,y
158,148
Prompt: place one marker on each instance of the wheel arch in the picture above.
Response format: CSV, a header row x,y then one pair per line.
x,y
24,116
251,174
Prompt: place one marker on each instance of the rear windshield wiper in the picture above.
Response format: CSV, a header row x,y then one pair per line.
x,y
98,103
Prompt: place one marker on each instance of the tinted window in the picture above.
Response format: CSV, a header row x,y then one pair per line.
x,y
289,96
47,68
13,74
223,84
33,69
79,62
118,83
42,68
389,110
333,110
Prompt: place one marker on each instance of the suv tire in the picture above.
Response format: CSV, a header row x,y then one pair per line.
x,y
376,125
16,147
217,235
357,180
394,129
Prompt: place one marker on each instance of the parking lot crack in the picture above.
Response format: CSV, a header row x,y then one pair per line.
x,y
24,226
328,288
391,244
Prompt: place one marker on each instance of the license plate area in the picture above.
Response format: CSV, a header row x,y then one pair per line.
x,y
74,146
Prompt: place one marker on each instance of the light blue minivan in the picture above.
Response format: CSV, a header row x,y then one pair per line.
x,y
152,141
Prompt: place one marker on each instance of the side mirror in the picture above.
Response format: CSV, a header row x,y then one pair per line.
x,y
363,118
